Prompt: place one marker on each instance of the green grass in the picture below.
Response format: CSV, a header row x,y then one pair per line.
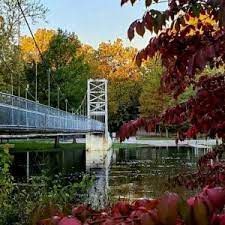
x,y
49,146
123,145
44,146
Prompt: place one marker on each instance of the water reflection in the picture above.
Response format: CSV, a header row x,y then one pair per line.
x,y
143,172
134,173
32,163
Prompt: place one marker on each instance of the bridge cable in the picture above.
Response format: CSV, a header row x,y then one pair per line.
x,y
13,73
39,51
83,103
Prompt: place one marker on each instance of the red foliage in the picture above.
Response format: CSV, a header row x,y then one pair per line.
x,y
204,113
69,221
82,212
129,129
184,56
204,208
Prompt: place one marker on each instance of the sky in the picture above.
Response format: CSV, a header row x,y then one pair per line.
x,y
94,21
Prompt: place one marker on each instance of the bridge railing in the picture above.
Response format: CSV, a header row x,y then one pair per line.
x,y
20,113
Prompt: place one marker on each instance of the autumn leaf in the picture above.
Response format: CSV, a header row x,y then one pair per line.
x,y
140,28
148,3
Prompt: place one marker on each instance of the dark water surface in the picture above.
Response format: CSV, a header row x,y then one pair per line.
x,y
140,172
144,172
55,161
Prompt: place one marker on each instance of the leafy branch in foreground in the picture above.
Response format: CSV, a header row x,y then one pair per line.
x,y
186,49
170,209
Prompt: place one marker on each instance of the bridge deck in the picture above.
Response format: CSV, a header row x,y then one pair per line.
x,y
18,115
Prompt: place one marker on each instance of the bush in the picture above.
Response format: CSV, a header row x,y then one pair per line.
x,y
44,196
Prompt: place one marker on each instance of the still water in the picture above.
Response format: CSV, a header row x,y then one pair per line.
x,y
144,172
135,172
33,163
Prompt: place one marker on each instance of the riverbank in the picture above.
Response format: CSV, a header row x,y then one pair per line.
x,y
48,145
128,146
198,143
41,145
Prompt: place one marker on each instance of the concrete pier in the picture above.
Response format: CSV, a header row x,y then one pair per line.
x,y
98,149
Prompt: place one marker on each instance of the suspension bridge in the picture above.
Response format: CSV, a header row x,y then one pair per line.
x,y
23,118
20,115
30,119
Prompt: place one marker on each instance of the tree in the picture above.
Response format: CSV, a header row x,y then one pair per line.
x,y
68,71
10,67
90,57
116,63
28,48
205,111
153,100
12,17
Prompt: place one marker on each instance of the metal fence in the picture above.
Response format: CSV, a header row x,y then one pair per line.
x,y
20,113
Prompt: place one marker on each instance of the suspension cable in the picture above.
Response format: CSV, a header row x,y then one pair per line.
x,y
83,103
39,51
13,73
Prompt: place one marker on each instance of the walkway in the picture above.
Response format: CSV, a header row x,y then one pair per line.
x,y
21,115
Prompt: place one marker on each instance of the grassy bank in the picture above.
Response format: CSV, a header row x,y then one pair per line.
x,y
41,145
124,145
44,146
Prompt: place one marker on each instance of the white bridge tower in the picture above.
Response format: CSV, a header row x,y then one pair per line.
x,y
98,146
97,101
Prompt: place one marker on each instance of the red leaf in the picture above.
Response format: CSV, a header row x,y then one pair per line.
x,y
121,209
216,197
148,21
148,3
123,2
146,219
148,204
140,28
130,32
69,221
82,212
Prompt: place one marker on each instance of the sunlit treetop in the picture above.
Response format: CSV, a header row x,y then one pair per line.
x,y
28,48
117,61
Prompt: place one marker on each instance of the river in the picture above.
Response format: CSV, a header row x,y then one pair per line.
x,y
140,172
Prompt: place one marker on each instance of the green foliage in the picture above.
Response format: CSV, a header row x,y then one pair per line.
x,y
43,197
153,99
10,20
47,195
68,70
9,57
187,94
12,17
124,103
6,184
